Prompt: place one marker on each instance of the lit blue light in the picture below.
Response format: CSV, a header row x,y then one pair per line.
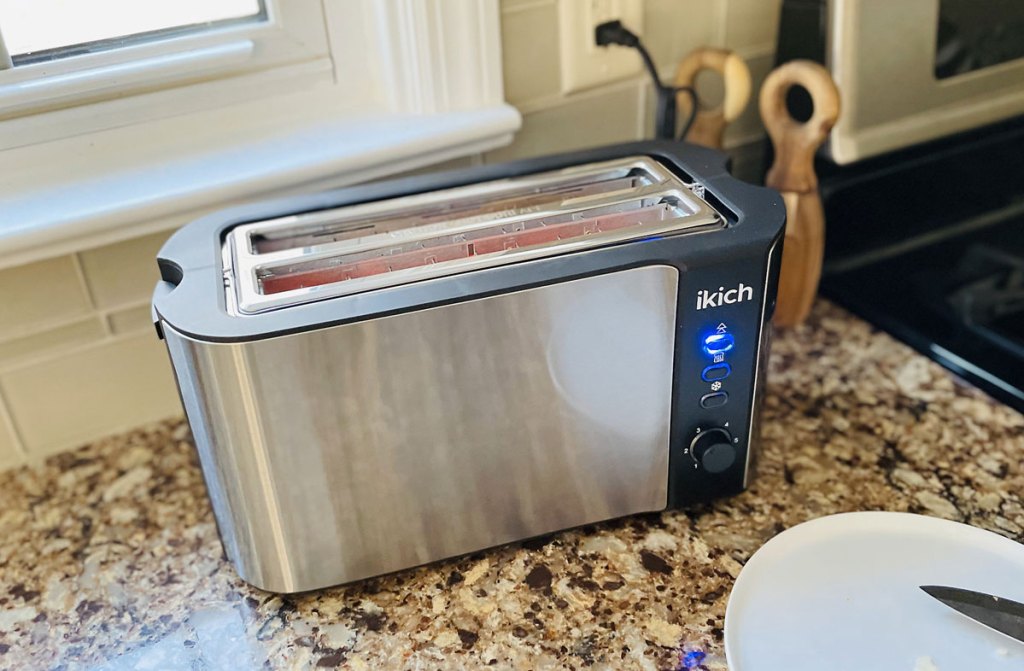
x,y
693,659
718,343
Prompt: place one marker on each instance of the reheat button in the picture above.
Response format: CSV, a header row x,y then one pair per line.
x,y
718,371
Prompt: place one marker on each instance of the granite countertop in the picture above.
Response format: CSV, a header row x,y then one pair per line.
x,y
109,555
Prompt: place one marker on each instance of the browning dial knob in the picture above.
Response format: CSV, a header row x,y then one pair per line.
x,y
713,449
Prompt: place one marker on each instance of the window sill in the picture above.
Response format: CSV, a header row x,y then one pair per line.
x,y
90,190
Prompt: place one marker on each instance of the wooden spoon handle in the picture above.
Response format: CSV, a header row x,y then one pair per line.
x,y
709,124
796,142
792,173
802,256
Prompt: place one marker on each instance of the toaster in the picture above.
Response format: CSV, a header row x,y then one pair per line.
x,y
395,373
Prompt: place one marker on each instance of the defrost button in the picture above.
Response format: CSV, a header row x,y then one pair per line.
x,y
714,400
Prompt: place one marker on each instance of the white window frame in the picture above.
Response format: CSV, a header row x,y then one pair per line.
x,y
291,40
325,93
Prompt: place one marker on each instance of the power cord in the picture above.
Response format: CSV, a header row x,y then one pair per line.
x,y
613,32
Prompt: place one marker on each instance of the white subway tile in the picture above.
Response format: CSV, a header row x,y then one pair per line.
x,y
132,320
76,398
9,455
40,294
530,53
674,28
752,24
125,272
596,118
75,334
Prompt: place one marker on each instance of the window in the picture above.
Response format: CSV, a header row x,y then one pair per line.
x,y
968,40
31,35
63,54
121,117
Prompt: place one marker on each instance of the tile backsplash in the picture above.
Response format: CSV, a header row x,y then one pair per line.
x,y
79,358
109,386
78,355
624,109
122,274
40,295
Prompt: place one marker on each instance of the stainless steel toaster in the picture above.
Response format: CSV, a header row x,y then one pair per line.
x,y
395,373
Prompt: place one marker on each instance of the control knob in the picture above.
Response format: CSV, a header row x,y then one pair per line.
x,y
713,449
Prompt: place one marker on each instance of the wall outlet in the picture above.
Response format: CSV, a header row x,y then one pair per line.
x,y
584,64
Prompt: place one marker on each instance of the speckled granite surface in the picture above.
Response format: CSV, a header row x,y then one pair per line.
x,y
109,557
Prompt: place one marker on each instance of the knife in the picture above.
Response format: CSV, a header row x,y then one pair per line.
x,y
1003,615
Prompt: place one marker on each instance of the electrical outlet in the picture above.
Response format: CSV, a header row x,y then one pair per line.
x,y
584,64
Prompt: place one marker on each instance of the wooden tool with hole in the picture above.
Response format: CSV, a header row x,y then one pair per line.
x,y
792,173
709,123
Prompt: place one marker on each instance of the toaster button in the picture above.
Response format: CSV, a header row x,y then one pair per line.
x,y
718,343
714,400
718,371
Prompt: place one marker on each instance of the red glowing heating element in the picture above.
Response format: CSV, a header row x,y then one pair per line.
x,y
444,249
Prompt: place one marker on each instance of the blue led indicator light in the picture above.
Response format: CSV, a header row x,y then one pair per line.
x,y
718,343
693,659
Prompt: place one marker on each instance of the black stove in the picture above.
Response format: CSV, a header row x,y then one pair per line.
x,y
928,244
986,292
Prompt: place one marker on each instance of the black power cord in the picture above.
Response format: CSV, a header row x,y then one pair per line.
x,y
613,32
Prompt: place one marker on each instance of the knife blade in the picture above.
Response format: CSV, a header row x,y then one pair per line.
x,y
1003,615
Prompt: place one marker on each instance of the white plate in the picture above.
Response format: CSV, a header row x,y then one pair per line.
x,y
841,593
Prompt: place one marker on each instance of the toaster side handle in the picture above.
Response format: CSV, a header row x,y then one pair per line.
x,y
162,289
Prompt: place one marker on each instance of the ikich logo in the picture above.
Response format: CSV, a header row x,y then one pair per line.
x,y
709,299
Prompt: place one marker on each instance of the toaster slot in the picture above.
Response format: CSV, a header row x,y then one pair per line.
x,y
295,259
453,248
458,211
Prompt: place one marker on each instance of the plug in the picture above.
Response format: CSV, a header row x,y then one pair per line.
x,y
613,32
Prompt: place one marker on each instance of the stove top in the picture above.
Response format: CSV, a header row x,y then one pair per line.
x,y
986,292
929,246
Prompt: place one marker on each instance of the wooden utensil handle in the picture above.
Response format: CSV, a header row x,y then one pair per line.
x,y
792,173
795,142
709,123
802,257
